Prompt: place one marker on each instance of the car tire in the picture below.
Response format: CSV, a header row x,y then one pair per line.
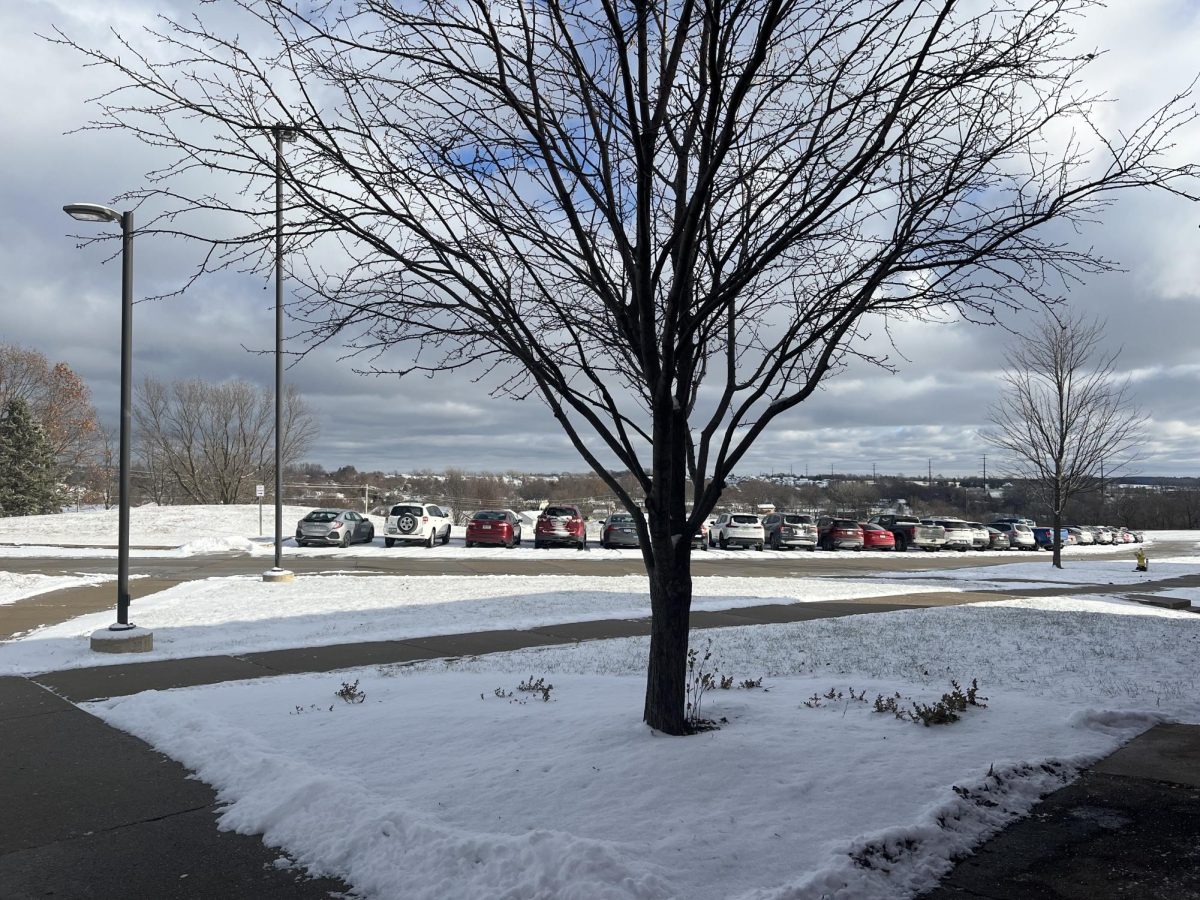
x,y
301,543
582,545
508,543
537,545
345,542
722,543
470,544
389,542
604,544
446,539
901,543
431,540
370,535
704,546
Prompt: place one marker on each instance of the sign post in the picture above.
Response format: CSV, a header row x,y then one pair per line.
x,y
259,491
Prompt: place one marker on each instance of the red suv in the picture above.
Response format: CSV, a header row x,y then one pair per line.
x,y
836,534
560,525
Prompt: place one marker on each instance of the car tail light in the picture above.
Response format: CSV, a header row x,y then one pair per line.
x,y
336,525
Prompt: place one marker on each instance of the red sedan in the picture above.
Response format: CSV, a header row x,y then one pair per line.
x,y
494,526
876,537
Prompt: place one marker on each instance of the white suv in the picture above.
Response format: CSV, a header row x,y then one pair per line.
x,y
419,522
736,528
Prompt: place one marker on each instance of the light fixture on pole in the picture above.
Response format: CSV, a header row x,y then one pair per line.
x,y
281,134
122,636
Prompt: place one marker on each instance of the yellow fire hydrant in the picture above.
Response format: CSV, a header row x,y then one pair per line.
x,y
1143,565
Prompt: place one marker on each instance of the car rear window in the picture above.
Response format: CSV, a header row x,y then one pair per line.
x,y
744,520
490,515
623,518
870,526
559,511
407,510
798,520
844,523
321,515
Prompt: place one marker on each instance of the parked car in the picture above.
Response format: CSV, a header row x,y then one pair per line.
x,y
909,532
981,539
1044,537
618,530
876,537
997,539
340,527
1019,536
494,526
417,522
1016,520
783,530
959,535
560,524
1103,535
839,534
1083,536
737,529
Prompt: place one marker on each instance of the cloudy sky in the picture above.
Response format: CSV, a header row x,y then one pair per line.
x,y
64,300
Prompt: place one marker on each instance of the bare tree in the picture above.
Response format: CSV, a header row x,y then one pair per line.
x,y
213,441
1064,416
669,221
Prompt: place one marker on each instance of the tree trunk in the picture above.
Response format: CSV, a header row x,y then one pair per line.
x,y
1056,518
666,674
668,564
1057,538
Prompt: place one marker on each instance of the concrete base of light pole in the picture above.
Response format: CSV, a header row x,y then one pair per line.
x,y
122,639
279,575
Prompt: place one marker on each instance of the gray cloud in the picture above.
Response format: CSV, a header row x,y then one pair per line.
x,y
63,300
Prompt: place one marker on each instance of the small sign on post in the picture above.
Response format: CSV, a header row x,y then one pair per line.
x,y
259,492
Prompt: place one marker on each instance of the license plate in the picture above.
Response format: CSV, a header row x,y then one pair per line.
x,y
486,527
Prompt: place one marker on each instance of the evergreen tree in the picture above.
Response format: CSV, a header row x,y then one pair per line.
x,y
27,471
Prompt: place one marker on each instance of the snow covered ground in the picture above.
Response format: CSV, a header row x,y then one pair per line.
x,y
16,586
449,782
244,614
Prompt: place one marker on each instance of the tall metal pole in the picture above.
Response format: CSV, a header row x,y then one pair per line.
x,y
278,133
126,418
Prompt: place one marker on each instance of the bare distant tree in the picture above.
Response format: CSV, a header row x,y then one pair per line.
x,y
1064,417
213,441
669,221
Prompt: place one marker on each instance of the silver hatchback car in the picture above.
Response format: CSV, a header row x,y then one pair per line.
x,y
334,527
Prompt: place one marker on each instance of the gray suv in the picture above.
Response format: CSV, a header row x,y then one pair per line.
x,y
786,530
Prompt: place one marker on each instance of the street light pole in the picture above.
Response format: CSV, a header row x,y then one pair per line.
x,y
281,134
126,420
122,636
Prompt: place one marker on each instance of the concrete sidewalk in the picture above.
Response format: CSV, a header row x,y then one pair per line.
x,y
92,812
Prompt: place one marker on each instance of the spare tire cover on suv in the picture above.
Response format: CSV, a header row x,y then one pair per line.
x,y
407,518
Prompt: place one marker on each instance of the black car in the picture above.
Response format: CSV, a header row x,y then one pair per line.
x,y
334,527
